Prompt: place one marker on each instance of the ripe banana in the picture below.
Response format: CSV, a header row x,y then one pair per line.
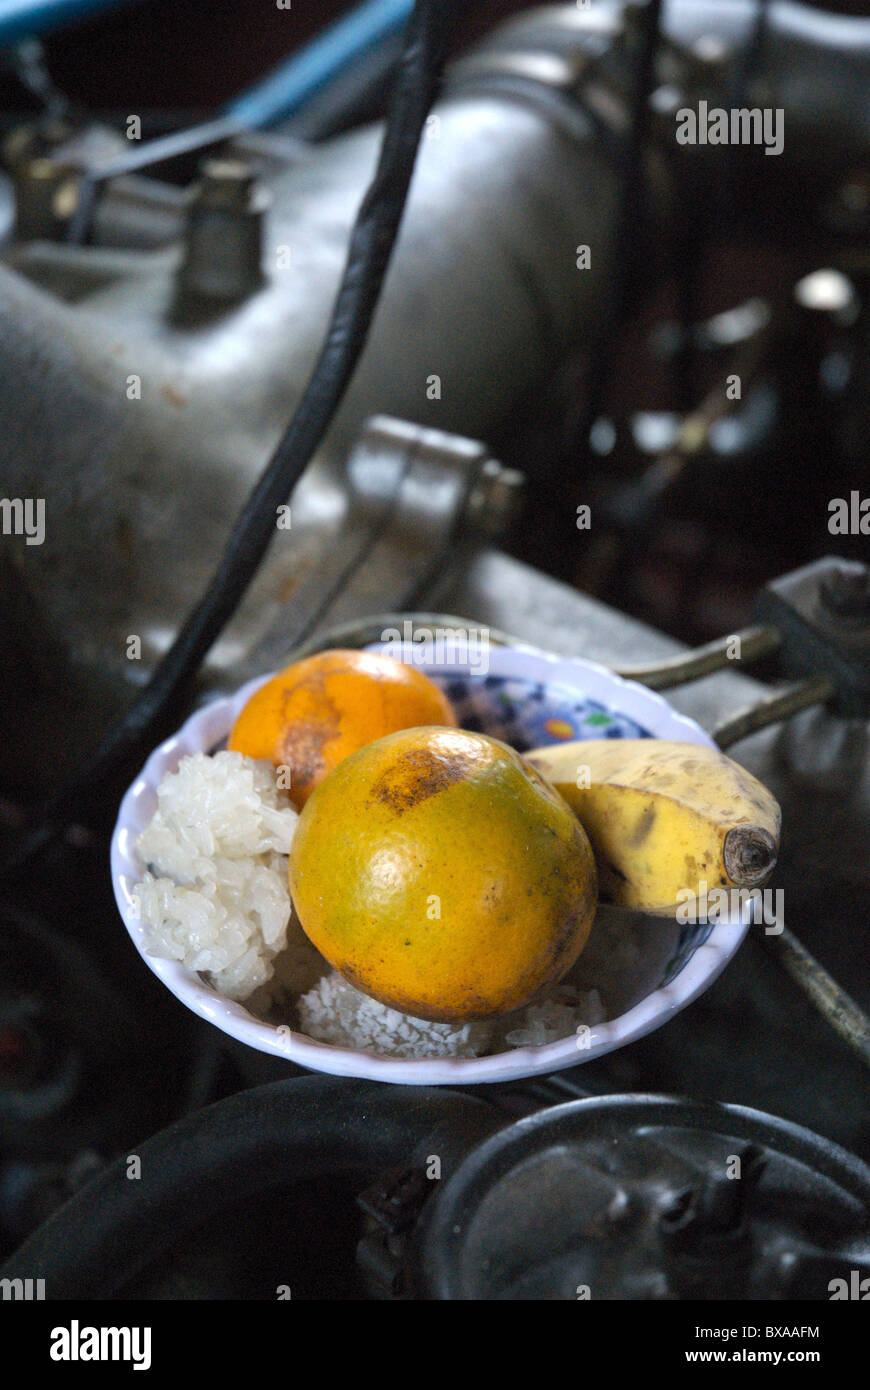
x,y
665,819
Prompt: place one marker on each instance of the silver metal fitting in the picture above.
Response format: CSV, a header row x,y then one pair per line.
x,y
223,247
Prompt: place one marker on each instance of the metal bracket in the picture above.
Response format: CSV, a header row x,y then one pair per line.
x,y
392,1207
411,491
822,615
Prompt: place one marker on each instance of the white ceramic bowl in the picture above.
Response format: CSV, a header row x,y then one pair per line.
x,y
682,964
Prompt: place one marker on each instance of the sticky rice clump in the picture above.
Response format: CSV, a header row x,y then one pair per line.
x,y
334,1012
215,893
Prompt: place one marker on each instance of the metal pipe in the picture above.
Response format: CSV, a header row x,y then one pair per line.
x,y
365,632
754,643
305,73
149,155
837,1007
783,704
22,18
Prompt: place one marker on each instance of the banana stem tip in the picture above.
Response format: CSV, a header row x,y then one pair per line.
x,y
750,855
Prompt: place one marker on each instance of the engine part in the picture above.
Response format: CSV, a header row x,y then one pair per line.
x,y
621,1196
250,1145
21,18
193,407
647,1197
395,513
223,249
224,228
150,426
343,46
753,643
64,1024
822,613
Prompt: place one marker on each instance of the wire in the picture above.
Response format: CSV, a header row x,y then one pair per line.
x,y
318,86
750,56
20,19
354,95
304,75
371,246
27,63
632,208
629,217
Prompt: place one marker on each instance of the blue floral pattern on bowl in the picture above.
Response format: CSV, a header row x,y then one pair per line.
x,y
531,714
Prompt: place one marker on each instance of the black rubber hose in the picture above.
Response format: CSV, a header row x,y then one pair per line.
x,y
372,243
249,1145
631,215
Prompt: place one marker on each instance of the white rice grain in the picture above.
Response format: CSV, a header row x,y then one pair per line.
x,y
215,895
335,1012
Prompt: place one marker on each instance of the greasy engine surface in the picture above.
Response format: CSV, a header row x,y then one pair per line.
x,y
614,388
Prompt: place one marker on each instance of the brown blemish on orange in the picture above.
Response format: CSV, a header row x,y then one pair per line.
x,y
419,774
301,749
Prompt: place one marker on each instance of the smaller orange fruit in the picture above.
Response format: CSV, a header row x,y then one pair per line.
x,y
310,716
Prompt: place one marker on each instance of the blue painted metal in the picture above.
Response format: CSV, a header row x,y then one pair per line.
x,y
291,84
20,19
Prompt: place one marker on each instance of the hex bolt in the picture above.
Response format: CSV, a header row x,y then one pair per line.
x,y
47,193
496,499
855,193
226,183
224,235
845,590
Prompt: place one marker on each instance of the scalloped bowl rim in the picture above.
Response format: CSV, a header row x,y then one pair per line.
x,y
208,725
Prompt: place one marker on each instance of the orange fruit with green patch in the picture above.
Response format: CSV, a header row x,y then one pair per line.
x,y
440,874
313,714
